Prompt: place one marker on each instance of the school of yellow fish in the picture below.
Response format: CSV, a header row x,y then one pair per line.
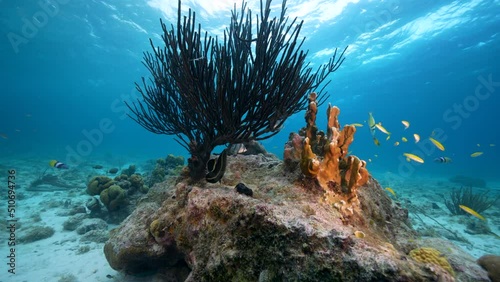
x,y
411,156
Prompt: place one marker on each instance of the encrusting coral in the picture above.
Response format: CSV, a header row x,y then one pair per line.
x,y
430,255
325,157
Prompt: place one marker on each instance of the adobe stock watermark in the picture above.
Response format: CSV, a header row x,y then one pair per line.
x,y
95,137
454,115
381,17
31,26
470,104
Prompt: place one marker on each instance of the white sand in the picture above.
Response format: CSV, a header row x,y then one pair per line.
x,y
424,191
55,257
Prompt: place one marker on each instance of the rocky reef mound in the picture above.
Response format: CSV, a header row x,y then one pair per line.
x,y
288,230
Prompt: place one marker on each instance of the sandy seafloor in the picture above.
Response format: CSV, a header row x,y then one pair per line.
x,y
59,258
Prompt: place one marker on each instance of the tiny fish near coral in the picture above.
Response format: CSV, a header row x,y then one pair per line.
x,y
389,189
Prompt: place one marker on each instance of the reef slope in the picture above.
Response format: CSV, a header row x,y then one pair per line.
x,y
287,231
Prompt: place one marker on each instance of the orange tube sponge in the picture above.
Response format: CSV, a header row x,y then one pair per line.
x,y
325,156
309,163
345,139
312,110
330,165
332,114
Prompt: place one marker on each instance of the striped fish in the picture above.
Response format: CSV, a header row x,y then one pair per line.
x,y
372,125
443,160
216,168
57,164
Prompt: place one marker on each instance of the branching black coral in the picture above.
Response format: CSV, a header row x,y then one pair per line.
x,y
211,91
464,196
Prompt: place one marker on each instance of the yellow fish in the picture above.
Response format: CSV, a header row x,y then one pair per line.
x,y
381,128
492,145
391,191
406,124
471,211
413,157
4,136
479,145
396,143
417,137
476,154
356,124
437,143
404,139
388,137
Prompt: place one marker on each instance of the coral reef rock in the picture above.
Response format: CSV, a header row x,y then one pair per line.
x,y
36,233
285,232
90,224
492,264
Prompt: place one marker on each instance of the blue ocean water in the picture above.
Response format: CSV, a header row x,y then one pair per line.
x,y
68,66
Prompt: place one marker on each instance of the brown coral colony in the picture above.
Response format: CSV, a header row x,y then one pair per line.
x,y
325,157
